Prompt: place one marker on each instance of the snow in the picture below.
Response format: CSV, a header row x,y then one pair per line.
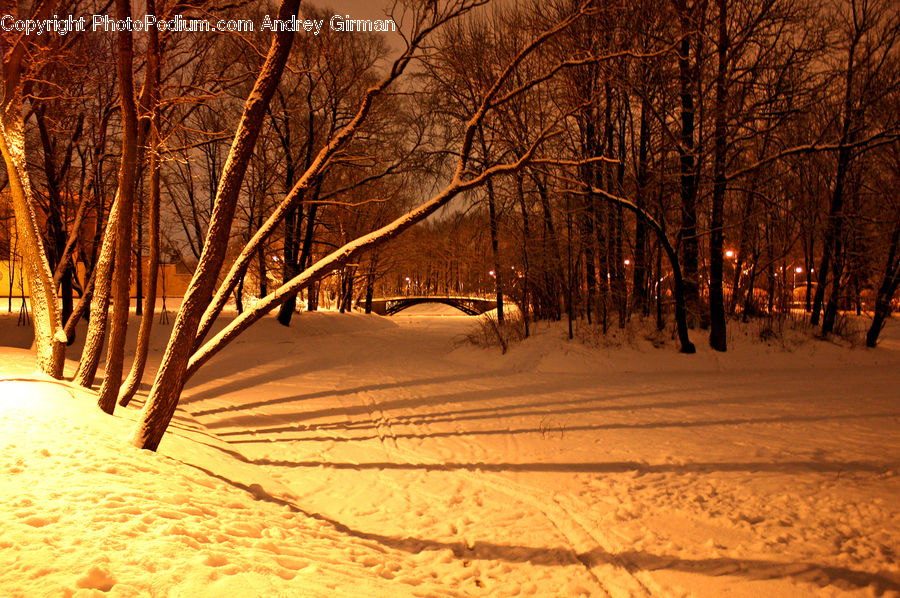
x,y
354,455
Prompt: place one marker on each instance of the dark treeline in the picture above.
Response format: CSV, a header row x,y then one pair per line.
x,y
703,159
760,136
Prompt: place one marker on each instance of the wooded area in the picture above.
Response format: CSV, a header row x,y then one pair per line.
x,y
684,161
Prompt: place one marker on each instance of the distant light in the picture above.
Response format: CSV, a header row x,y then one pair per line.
x,y
407,279
798,270
492,273
729,253
627,262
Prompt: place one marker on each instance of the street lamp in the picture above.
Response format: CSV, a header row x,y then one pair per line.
x,y
797,270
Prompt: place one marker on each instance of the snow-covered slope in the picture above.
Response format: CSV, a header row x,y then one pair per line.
x,y
353,456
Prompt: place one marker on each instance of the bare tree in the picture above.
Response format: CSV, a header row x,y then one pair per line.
x,y
160,406
130,386
178,364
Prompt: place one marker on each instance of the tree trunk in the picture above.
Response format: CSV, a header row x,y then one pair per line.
x,y
291,256
586,230
526,237
132,382
640,298
743,250
239,295
99,305
494,230
680,309
166,390
718,337
832,253
263,274
570,308
57,254
370,282
139,254
834,244
50,340
115,356
619,283
888,287
554,272
688,232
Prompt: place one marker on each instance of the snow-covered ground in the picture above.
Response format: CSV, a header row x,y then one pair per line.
x,y
354,455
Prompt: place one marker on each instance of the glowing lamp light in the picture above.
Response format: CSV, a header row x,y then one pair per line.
x,y
798,270
627,262
492,273
729,253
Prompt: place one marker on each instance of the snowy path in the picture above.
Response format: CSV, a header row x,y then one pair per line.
x,y
628,474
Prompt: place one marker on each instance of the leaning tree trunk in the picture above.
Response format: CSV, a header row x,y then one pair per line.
x,y
130,386
178,363
888,287
115,356
99,304
680,300
50,340
170,378
48,334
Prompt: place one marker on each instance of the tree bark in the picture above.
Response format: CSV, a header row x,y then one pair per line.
x,y
688,232
115,356
718,337
831,254
494,230
680,312
50,340
99,305
526,237
640,298
135,375
888,288
166,390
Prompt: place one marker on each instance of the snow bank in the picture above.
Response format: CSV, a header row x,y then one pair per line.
x,y
353,455
85,514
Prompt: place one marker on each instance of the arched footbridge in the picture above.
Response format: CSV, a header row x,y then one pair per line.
x,y
472,306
